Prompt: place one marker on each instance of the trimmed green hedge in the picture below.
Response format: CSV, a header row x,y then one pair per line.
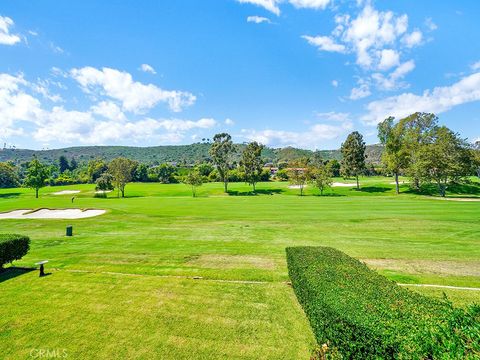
x,y
13,247
366,316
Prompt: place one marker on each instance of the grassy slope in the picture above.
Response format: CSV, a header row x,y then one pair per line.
x,y
158,232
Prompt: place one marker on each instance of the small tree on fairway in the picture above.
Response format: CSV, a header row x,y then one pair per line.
x,y
221,151
395,155
104,182
37,174
252,163
298,174
194,179
321,176
121,170
353,152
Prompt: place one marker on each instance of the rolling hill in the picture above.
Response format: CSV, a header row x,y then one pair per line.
x,y
170,153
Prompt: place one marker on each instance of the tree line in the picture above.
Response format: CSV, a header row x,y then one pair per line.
x,y
415,146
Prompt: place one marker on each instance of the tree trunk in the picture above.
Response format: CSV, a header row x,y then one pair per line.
x,y
358,185
36,193
193,191
253,187
397,187
123,192
225,186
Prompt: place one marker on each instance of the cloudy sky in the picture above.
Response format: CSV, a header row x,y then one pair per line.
x,y
282,72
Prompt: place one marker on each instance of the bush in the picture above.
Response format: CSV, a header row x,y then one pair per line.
x,y
12,247
367,316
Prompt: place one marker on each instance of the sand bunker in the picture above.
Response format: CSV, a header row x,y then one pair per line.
x,y
51,214
343,184
296,186
457,199
102,192
66,192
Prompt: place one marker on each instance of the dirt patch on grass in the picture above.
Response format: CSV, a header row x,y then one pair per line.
x,y
232,261
460,268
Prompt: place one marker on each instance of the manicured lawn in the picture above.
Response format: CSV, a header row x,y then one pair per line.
x,y
123,285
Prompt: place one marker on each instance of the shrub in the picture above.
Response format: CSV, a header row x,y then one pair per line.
x,y
12,247
367,316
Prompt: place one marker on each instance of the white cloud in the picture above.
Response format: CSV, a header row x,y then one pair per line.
x,y
377,38
325,43
371,30
258,19
15,104
361,91
109,110
103,123
438,100
312,4
392,81
413,39
335,83
430,24
270,5
334,116
6,38
475,66
388,59
147,68
134,96
310,139
229,122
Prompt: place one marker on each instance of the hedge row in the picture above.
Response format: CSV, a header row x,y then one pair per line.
x,y
13,247
366,316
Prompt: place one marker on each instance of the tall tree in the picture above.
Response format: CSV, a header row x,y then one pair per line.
x,y
36,176
252,163
165,173
395,155
418,130
353,152
73,164
63,164
446,159
476,157
96,168
194,179
141,173
8,176
298,174
221,151
121,170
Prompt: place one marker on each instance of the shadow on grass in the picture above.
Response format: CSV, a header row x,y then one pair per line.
x,y
452,189
257,192
13,272
373,189
10,195
329,195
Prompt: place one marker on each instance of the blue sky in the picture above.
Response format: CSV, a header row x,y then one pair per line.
x,y
283,72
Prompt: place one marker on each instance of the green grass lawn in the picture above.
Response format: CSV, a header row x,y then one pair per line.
x,y
124,287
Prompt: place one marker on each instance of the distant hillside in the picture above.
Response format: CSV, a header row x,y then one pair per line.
x,y
183,154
